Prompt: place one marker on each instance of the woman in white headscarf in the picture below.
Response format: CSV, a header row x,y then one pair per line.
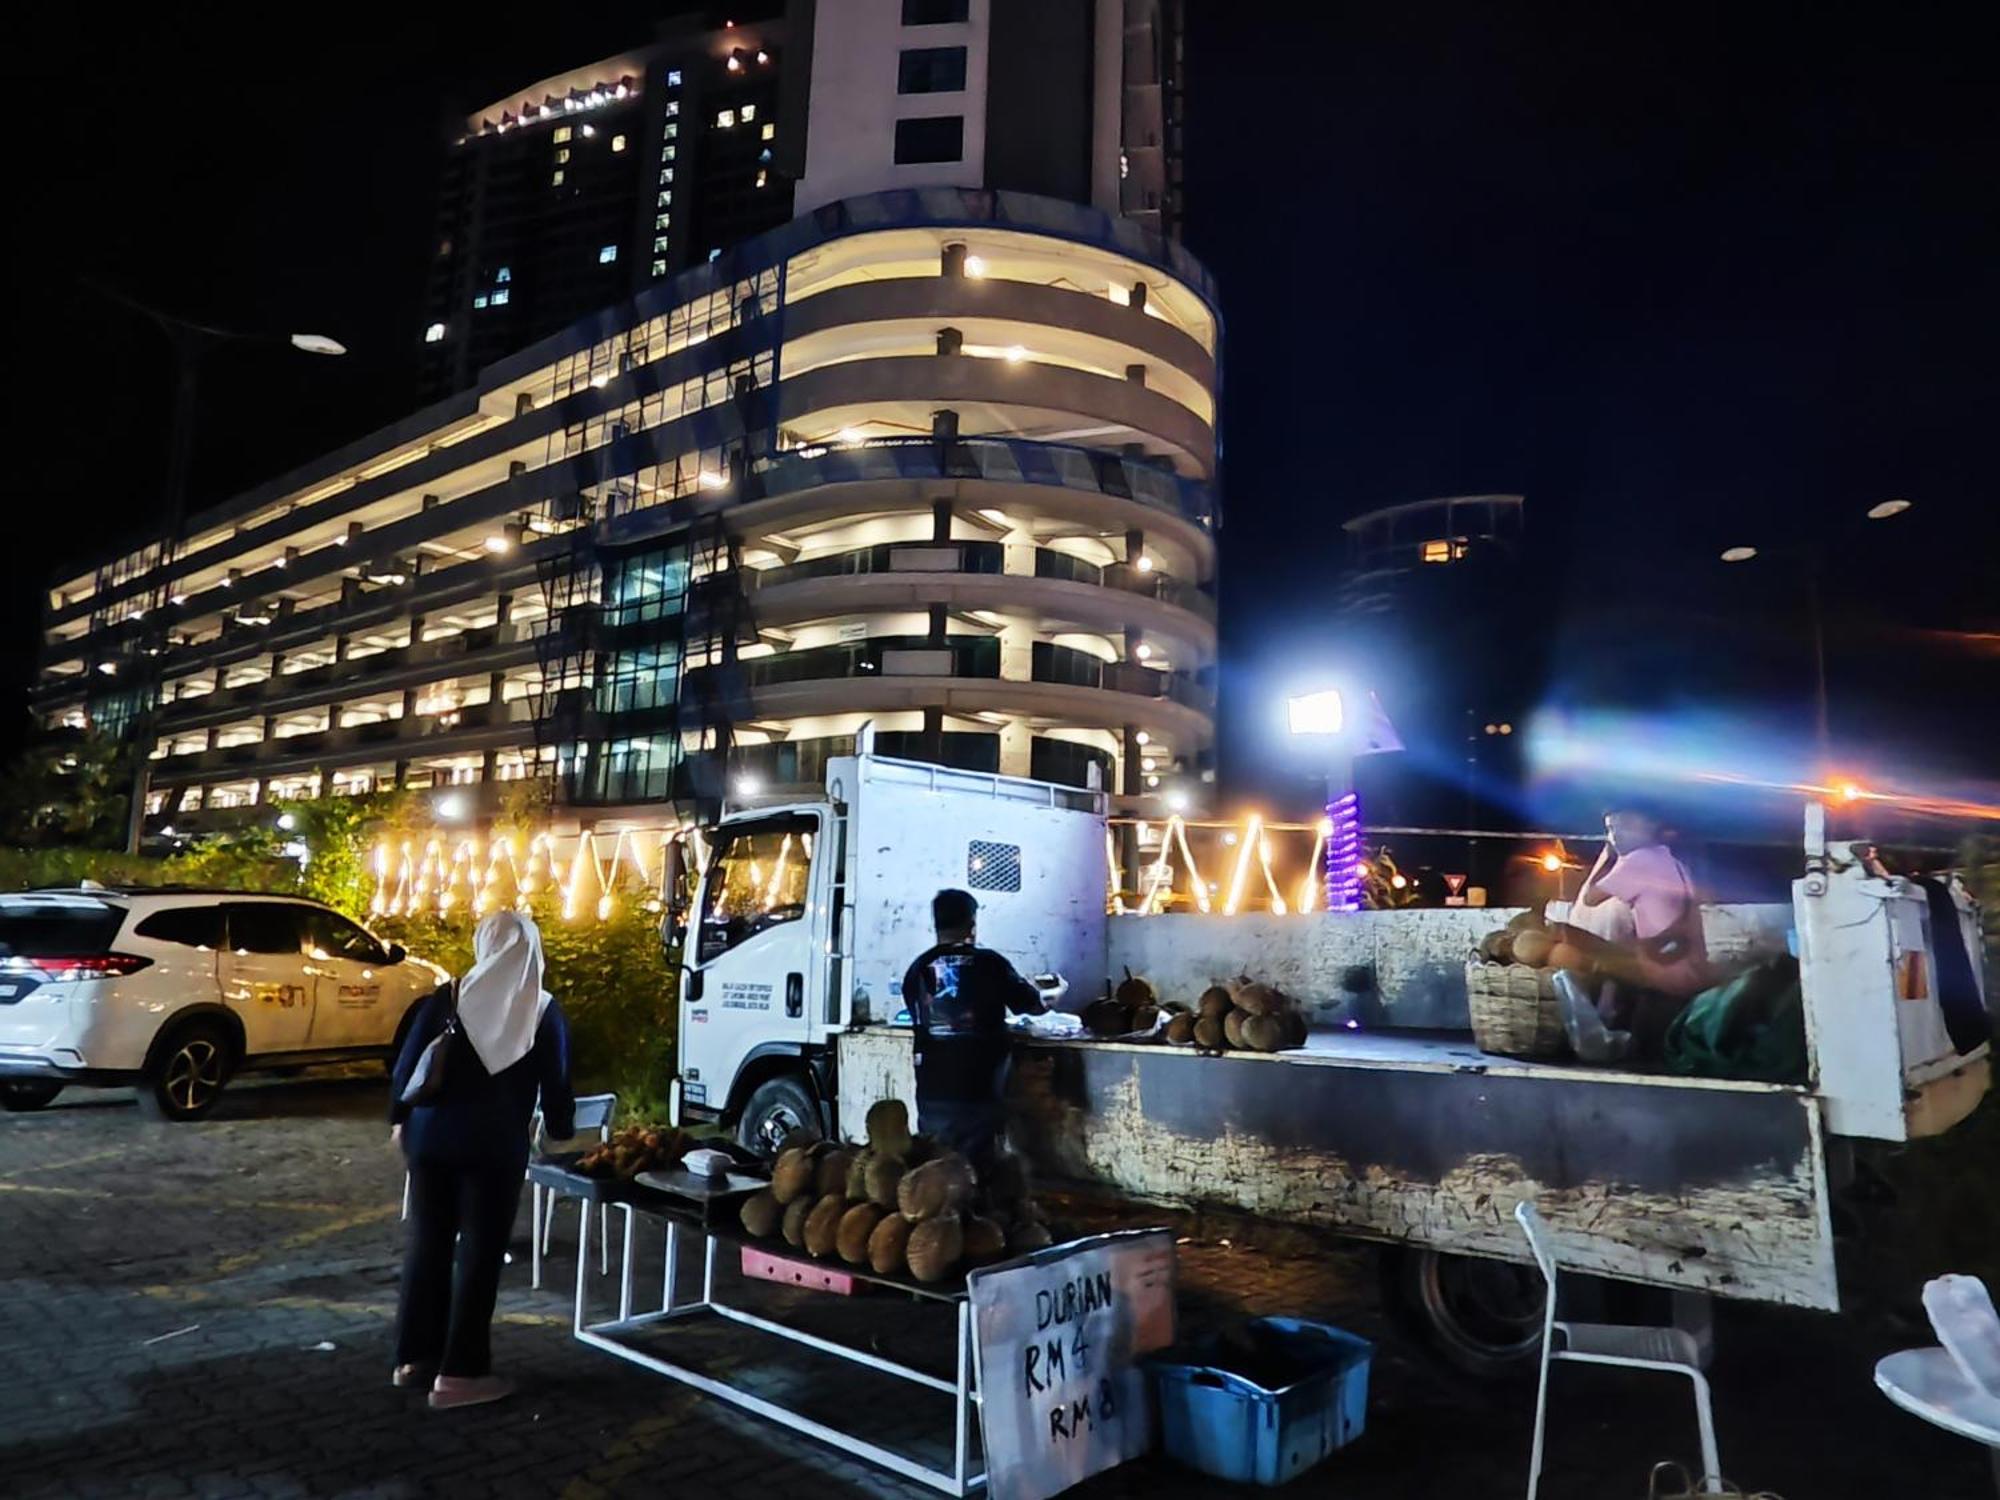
x,y
502,1044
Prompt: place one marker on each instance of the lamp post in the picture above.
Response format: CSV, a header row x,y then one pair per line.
x,y
190,341
1812,555
1321,719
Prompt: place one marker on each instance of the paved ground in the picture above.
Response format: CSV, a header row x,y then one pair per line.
x,y
204,1310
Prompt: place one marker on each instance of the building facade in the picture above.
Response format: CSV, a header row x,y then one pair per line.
x,y
936,460
590,186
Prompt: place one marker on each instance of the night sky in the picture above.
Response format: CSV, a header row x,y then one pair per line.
x,y
1686,281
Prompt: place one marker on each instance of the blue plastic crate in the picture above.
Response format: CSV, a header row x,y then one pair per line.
x,y
1227,1425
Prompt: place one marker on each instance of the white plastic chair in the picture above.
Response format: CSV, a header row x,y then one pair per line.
x,y
593,1111
1671,1351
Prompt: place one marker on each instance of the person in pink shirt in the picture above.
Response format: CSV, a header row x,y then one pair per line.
x,y
1668,963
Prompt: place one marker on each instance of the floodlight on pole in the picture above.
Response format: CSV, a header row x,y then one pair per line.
x,y
1316,713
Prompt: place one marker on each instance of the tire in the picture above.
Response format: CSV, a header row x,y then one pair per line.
x,y
188,1075
21,1094
777,1109
1481,1317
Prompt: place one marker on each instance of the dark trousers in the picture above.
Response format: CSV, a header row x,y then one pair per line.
x,y
971,1127
459,1224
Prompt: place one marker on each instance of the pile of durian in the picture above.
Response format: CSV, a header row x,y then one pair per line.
x,y
897,1204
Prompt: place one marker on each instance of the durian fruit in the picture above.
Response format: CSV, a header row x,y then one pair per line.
x,y
1232,1028
1208,1034
1532,947
1027,1236
886,1242
1180,1030
984,1241
923,1148
935,1247
1294,1023
1497,947
1107,1017
1527,921
795,1220
889,1128
883,1173
823,1225
793,1176
857,1176
1134,992
1264,1033
760,1214
830,1176
1259,999
1568,956
1144,1018
856,1225
1215,1002
937,1187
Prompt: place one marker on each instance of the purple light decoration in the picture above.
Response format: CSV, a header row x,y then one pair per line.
x,y
1343,853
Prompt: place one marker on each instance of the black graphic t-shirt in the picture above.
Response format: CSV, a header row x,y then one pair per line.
x,y
959,995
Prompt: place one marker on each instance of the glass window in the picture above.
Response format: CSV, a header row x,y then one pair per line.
x,y
662,221
47,929
724,119
193,926
933,12
930,70
265,927
770,129
330,935
606,254
480,300
563,154
434,334
761,177
618,143
673,78
648,677
557,179
669,130
673,108
936,138
500,297
504,275
659,268
757,880
562,134
747,113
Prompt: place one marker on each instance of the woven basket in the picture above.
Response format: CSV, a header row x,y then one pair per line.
x,y
1515,1010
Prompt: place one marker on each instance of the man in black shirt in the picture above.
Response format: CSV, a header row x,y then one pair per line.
x,y
958,995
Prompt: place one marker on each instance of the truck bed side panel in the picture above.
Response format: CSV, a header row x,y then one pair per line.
x,y
1716,1188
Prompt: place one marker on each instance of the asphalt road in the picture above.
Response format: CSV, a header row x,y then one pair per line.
x,y
205,1310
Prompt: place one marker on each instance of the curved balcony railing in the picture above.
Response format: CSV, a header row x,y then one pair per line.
x,y
1000,460
1067,665
887,557
1145,583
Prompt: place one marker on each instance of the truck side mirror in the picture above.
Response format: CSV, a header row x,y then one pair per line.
x,y
674,892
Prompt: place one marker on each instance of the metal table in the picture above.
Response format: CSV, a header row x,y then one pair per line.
x,y
962,1388
1926,1383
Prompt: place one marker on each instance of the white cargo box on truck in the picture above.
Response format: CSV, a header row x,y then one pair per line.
x,y
1031,853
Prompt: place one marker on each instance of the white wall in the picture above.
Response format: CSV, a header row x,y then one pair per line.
x,y
854,106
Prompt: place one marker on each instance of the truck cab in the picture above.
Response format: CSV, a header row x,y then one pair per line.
x,y
806,914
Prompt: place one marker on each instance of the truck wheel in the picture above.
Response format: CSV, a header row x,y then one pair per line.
x,y
187,1078
1481,1317
28,1093
777,1109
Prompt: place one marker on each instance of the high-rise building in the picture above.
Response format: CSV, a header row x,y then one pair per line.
x,y
931,458
586,187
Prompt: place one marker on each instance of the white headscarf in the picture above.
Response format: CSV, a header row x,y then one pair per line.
x,y
501,999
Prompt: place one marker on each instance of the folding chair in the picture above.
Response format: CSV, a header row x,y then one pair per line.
x,y
592,1111
1671,1351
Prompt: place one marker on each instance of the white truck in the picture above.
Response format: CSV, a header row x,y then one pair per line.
x,y
1389,1124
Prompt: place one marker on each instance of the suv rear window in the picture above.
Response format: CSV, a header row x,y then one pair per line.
x,y
47,930
196,926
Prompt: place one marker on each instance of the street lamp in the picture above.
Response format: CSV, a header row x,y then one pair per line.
x,y
1813,554
190,340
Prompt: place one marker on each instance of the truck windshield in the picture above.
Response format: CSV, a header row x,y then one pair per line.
x,y
756,880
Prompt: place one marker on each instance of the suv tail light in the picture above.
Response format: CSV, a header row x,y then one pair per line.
x,y
96,966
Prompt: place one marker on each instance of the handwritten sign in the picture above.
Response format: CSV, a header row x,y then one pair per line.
x,y
1060,1335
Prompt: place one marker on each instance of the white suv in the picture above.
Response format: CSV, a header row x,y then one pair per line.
x,y
173,991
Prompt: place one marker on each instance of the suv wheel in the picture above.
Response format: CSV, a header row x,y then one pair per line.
x,y
188,1077
28,1093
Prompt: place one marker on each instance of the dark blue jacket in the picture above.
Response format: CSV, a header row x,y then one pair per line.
x,y
481,1119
